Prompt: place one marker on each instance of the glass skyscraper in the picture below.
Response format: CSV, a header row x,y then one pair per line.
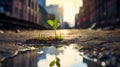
x,y
42,3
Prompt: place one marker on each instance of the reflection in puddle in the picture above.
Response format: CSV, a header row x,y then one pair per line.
x,y
69,57
24,59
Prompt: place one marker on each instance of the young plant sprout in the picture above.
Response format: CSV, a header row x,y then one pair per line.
x,y
55,24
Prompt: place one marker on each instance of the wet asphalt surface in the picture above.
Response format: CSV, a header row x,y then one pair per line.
x,y
100,46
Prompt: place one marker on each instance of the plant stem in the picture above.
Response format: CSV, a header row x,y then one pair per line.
x,y
55,32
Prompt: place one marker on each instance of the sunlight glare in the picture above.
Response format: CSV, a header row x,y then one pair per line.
x,y
69,12
64,32
71,7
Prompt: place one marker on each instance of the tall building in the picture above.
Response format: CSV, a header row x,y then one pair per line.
x,y
57,12
86,13
42,3
43,13
43,17
21,9
79,23
102,13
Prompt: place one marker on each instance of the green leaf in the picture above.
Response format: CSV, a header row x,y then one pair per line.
x,y
57,25
58,63
50,22
56,20
57,59
52,63
39,37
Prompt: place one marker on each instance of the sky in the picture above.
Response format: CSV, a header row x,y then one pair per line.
x,y
71,7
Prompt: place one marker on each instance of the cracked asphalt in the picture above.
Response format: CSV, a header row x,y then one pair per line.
x,y
11,41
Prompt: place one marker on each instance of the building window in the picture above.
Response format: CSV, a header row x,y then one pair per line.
x,y
32,18
16,12
29,3
32,2
22,1
36,6
35,19
1,9
29,16
24,15
21,13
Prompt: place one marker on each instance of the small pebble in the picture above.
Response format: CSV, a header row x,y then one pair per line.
x,y
19,43
17,31
103,64
1,31
95,59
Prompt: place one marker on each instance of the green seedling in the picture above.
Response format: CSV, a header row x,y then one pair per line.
x,y
41,37
59,37
55,24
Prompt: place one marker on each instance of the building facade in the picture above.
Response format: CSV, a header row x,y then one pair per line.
x,y
79,23
43,16
21,9
102,13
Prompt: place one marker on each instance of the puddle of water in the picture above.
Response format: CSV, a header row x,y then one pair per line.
x,y
69,57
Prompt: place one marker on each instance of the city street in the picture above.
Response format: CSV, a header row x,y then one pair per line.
x,y
87,40
77,33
